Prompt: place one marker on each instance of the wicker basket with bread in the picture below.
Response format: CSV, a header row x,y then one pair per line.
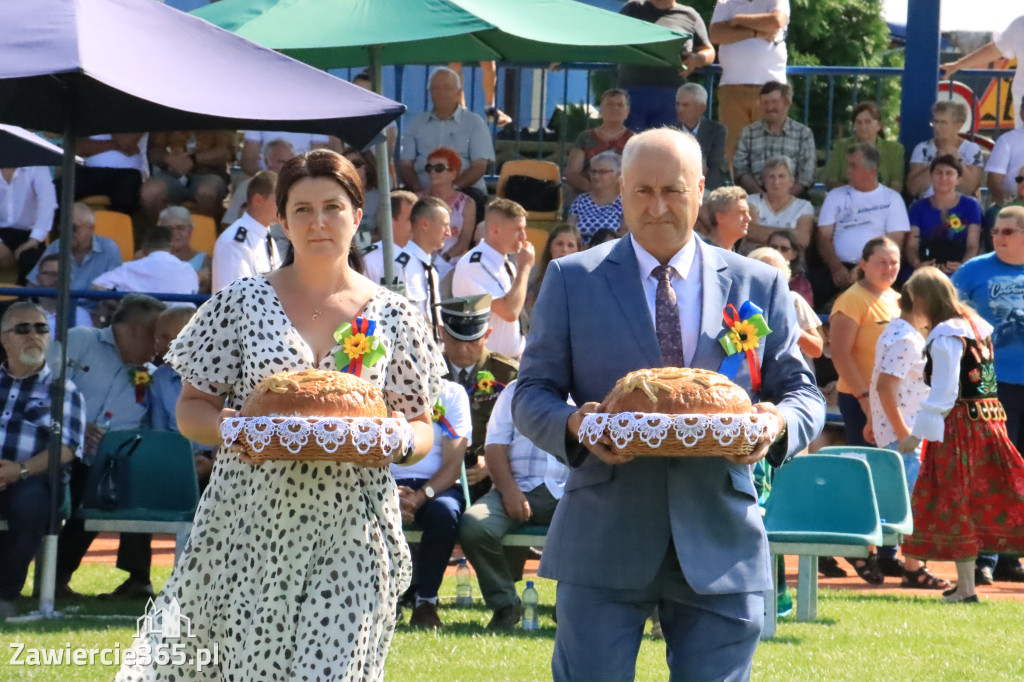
x,y
677,412
314,414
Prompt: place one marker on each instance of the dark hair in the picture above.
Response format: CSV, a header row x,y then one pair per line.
x,y
947,160
135,307
871,108
425,207
797,266
775,86
868,151
614,92
605,234
157,238
262,183
869,250
47,259
545,257
369,163
319,163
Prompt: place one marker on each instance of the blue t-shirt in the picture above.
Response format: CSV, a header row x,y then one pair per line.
x,y
944,239
996,291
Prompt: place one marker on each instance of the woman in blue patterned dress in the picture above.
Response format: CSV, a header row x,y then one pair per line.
x,y
602,206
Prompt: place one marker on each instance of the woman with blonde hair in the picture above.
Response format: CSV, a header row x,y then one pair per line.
x,y
969,495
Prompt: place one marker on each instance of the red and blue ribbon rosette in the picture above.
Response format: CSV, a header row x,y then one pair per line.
x,y
359,347
744,331
437,416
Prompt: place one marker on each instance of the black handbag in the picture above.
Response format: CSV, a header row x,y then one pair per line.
x,y
112,487
533,194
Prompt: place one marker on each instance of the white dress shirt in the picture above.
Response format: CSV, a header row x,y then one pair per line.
x,y
685,263
28,201
456,405
483,270
160,272
946,350
234,259
530,465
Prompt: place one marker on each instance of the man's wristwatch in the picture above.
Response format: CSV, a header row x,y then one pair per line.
x,y
429,492
24,473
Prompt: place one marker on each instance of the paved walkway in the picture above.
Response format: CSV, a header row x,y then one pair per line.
x,y
104,550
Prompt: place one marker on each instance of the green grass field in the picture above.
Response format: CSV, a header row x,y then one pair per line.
x,y
858,638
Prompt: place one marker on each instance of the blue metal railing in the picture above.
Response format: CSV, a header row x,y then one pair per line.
x,y
96,294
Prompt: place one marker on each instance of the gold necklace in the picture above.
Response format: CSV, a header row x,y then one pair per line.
x,y
316,313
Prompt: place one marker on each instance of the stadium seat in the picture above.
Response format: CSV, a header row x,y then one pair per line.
x,y
539,171
158,491
204,233
890,482
117,226
821,505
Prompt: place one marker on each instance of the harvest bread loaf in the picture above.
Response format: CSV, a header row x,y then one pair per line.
x,y
314,393
677,390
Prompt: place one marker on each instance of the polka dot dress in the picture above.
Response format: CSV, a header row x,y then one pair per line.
x,y
293,569
591,217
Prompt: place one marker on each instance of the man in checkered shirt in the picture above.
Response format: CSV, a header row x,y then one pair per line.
x,y
24,436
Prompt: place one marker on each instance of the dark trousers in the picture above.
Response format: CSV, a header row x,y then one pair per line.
x,y
1012,398
439,518
122,185
134,553
26,506
12,237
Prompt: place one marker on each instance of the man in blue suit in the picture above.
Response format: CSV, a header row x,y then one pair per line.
x,y
681,534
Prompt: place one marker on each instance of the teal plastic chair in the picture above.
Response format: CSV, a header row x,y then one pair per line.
x,y
890,481
159,493
820,505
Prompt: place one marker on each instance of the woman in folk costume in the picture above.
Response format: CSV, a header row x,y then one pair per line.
x,y
969,496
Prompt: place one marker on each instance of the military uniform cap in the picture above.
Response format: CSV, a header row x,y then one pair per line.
x,y
466,317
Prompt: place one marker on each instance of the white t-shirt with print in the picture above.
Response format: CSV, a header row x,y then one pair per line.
x,y
900,353
859,217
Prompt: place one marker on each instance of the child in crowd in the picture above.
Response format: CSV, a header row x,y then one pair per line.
x,y
897,391
969,495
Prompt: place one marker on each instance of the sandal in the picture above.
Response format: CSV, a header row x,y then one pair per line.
x,y
868,569
924,579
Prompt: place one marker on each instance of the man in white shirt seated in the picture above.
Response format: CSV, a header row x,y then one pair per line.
x,y
528,483
246,248
1004,163
854,214
429,494
158,271
115,166
402,202
485,269
28,202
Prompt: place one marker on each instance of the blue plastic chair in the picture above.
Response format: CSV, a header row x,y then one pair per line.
x,y
820,505
890,481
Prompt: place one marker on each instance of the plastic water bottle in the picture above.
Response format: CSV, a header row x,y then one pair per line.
x,y
463,586
531,599
103,423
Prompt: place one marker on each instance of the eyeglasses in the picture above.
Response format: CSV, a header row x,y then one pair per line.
x,y
26,328
357,163
1004,231
782,248
435,168
1019,179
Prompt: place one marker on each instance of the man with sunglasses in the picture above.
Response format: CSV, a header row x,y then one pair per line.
x,y
993,284
24,437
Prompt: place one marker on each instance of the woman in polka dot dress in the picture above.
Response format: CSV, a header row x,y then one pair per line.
x,y
293,569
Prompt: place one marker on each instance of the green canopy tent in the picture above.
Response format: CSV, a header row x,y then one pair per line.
x,y
332,34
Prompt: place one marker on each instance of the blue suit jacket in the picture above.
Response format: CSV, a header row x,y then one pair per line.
x,y
591,326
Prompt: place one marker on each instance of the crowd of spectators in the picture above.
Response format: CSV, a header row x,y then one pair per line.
x,y
466,263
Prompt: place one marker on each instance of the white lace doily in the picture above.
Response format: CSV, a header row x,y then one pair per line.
x,y
365,433
690,429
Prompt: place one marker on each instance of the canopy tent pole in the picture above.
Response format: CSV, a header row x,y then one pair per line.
x,y
48,571
387,237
